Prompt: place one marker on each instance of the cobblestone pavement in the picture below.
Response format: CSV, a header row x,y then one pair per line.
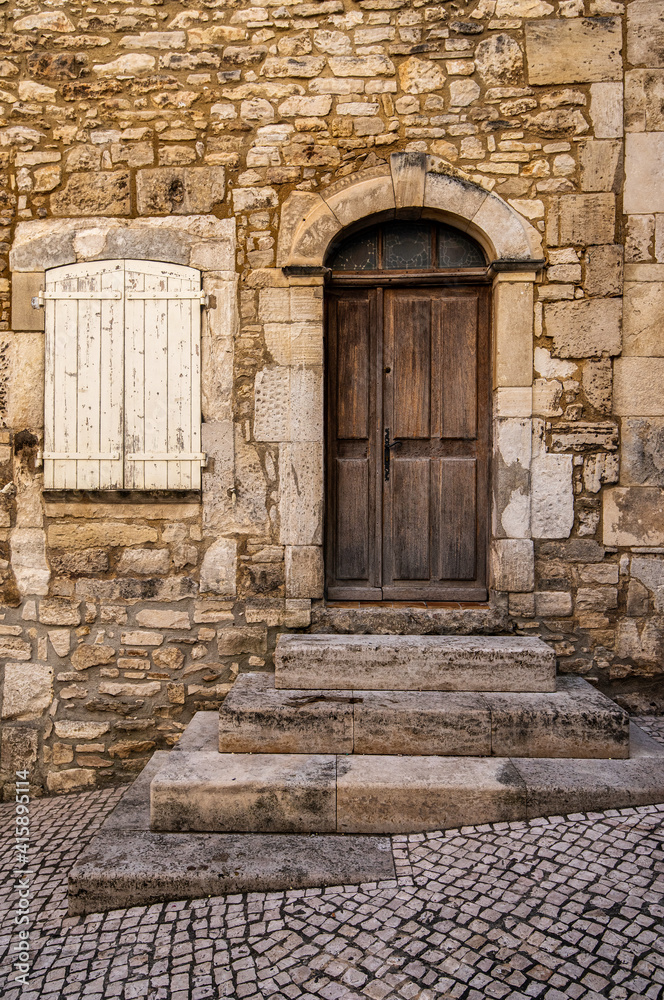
x,y
556,908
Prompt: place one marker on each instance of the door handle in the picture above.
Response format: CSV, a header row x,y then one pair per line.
x,y
387,452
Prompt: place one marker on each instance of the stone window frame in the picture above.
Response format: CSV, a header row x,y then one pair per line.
x,y
203,242
412,186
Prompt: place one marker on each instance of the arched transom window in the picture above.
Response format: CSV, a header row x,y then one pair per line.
x,y
407,246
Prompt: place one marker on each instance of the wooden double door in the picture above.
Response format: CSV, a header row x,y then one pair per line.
x,y
408,435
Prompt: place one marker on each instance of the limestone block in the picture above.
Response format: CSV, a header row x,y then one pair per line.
x,y
513,402
499,60
179,190
20,746
584,328
272,404
644,111
371,65
88,655
420,76
14,649
134,64
582,435
604,270
600,164
408,177
547,394
144,562
643,323
578,50
304,66
645,33
581,218
463,93
513,330
552,497
513,565
25,396
642,451
598,470
28,560
450,194
634,515
58,611
70,780
169,658
643,643
164,619
220,322
598,385
219,568
106,192
304,571
60,640
306,228
369,193
515,515
513,441
301,493
27,691
638,387
606,110
146,690
644,165
649,570
511,238
553,603
238,640
306,404
26,285
522,8
81,535
141,638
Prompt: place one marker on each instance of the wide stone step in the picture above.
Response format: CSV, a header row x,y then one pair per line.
x,y
204,791
573,721
414,663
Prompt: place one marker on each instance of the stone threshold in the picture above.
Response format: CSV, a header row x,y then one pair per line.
x,y
126,864
412,618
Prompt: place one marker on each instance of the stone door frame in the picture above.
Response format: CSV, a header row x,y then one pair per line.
x,y
416,185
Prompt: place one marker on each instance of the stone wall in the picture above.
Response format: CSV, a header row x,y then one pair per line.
x,y
171,130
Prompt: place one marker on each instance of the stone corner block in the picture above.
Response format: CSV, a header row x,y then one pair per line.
x,y
513,565
304,571
219,568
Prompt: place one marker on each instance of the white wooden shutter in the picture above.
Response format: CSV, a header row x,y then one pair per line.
x,y
162,376
83,405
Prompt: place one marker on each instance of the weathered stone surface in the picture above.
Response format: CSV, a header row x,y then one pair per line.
x,y
277,793
401,794
20,747
408,662
141,638
414,722
28,559
79,563
242,639
168,658
91,655
583,435
164,619
643,319
70,780
644,162
27,691
600,165
71,535
71,730
642,451
499,60
301,494
638,387
219,568
14,649
604,270
578,50
588,328
633,516
513,324
606,110
642,642
581,218
144,562
304,571
552,497
179,190
125,67
645,33
553,603
59,612
420,76
102,193
60,640
257,718
381,620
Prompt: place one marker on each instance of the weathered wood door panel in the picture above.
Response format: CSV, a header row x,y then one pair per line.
x,y
408,443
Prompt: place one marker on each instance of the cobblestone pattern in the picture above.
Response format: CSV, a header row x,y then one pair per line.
x,y
566,907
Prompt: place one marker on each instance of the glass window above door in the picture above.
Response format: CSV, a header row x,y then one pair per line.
x,y
407,246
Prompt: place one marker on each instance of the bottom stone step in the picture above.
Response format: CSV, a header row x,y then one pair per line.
x,y
375,794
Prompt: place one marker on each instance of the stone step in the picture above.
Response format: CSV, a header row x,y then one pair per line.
x,y
573,721
414,663
205,791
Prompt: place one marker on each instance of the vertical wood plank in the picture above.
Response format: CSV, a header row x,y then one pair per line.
x,y
410,520
134,378
457,492
352,528
111,417
353,381
412,366
460,368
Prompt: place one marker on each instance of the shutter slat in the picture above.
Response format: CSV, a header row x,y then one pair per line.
x,y
111,405
134,379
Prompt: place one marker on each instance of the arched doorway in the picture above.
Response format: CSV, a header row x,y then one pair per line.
x,y
407,415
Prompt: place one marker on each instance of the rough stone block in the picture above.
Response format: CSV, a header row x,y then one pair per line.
x,y
144,562
81,534
644,164
513,565
25,286
552,496
73,779
645,33
604,270
28,559
257,718
301,494
258,793
581,218
400,794
20,746
106,192
606,110
638,387
578,50
499,60
513,324
553,603
179,190
219,568
413,722
304,571
643,320
414,662
57,611
242,639
584,328
642,451
28,690
600,162
633,515
164,619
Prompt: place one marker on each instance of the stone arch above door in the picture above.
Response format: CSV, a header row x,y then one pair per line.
x,y
410,186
